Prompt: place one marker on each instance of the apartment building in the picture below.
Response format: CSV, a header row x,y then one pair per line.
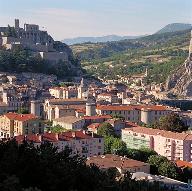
x,y
13,124
174,146
81,143
136,113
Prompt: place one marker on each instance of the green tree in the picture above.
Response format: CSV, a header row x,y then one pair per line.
x,y
27,168
114,145
168,169
22,111
163,166
57,129
172,122
106,129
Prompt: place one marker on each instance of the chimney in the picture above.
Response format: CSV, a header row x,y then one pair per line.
x,y
56,136
92,134
84,132
40,138
73,134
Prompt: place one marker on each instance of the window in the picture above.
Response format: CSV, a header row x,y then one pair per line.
x,y
26,131
99,140
33,130
40,131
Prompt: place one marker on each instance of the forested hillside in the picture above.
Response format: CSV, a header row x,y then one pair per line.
x,y
160,53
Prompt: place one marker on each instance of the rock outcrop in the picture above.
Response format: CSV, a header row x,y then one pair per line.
x,y
180,82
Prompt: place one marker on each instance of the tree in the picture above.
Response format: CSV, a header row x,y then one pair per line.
x,y
168,169
27,168
11,32
106,129
145,153
22,111
117,116
172,122
57,129
115,146
118,147
163,166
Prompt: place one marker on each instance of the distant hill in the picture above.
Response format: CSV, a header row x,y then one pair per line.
x,y
174,27
160,53
108,38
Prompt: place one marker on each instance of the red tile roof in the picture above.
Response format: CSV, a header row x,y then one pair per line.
x,y
77,135
168,134
20,117
54,137
110,160
28,138
94,126
97,117
131,107
183,164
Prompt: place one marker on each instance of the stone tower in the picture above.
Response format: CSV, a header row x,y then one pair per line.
x,y
82,89
36,108
91,107
16,24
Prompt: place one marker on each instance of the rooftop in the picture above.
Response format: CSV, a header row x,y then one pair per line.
x,y
110,160
168,134
20,117
54,137
132,107
97,117
183,164
68,119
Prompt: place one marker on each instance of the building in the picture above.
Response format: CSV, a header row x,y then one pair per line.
x,y
174,146
50,105
63,92
94,127
185,166
110,98
91,107
165,183
96,119
117,125
82,90
122,164
69,122
136,113
81,143
13,124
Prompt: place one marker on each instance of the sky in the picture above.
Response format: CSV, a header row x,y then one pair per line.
x,y
74,18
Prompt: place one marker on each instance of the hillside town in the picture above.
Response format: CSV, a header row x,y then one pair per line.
x,y
85,115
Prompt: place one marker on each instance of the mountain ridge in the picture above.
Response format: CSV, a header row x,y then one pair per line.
x,y
173,27
106,38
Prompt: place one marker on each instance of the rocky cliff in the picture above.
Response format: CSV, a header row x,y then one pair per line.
x,y
180,82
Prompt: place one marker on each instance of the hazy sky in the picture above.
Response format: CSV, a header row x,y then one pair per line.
x,y
72,18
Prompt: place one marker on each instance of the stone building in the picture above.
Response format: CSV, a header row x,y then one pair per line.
x,y
13,124
147,114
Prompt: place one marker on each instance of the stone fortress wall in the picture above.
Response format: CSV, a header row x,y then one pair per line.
x,y
31,37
